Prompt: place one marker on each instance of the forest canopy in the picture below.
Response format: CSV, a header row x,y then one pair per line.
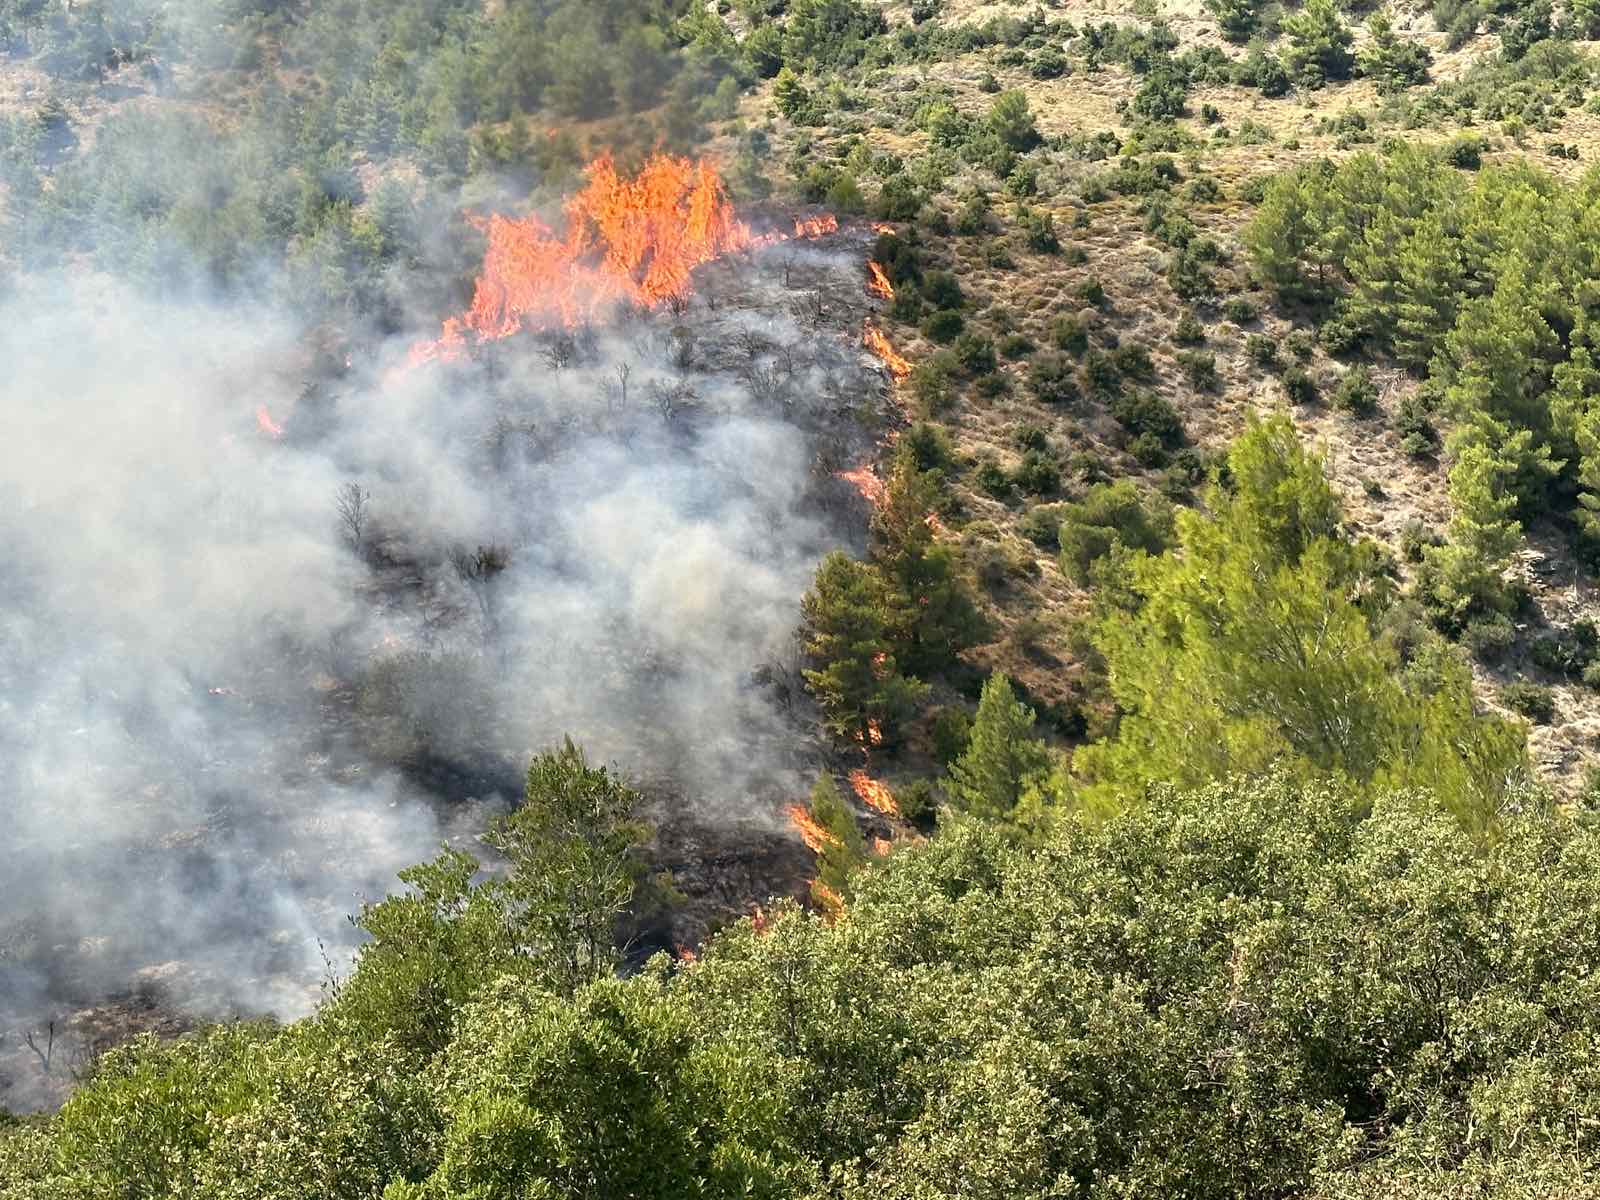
x,y
1262,988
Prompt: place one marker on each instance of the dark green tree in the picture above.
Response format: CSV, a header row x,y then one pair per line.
x,y
940,617
1319,43
851,616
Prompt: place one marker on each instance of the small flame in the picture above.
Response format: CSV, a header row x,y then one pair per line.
x,y
266,424
880,227
816,838
878,342
828,900
878,282
873,794
864,481
686,954
759,921
880,847
816,227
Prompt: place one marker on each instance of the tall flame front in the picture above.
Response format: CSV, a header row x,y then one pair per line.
x,y
627,241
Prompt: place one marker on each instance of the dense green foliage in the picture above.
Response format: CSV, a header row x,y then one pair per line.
x,y
1290,923
1257,639
1485,283
1260,989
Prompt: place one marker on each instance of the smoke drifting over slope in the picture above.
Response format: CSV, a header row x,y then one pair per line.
x,y
223,722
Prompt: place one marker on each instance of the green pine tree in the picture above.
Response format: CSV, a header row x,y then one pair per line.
x,y
940,617
1255,642
1002,756
850,615
847,849
789,94
1319,43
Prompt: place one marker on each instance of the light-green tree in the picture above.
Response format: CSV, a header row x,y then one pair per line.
x,y
1011,120
846,850
1466,578
1002,758
1254,642
1111,515
1289,237
789,93
551,916
571,847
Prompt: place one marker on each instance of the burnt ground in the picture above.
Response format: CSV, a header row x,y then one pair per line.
x,y
777,331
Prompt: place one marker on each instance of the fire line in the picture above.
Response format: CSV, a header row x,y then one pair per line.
x,y
627,241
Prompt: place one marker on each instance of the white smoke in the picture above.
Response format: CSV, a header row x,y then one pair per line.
x,y
222,726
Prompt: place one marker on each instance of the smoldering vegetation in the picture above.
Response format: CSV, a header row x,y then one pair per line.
x,y
275,621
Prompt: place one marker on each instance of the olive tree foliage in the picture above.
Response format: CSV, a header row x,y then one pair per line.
x,y
549,916
1265,987
1255,641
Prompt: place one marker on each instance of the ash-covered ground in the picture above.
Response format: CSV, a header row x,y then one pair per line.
x,y
277,622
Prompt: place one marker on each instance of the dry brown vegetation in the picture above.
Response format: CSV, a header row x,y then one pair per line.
x,y
1385,489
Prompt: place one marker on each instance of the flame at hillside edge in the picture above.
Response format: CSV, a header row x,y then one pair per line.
x,y
874,793
627,241
878,342
816,838
878,281
870,487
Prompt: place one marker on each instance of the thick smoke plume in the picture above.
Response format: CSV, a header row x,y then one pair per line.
x,y
228,712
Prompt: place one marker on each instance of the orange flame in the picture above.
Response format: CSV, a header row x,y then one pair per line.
x,y
816,838
266,424
627,241
828,900
878,284
686,954
815,227
873,794
878,342
880,847
872,488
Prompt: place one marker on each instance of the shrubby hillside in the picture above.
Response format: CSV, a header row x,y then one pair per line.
x,y
1207,704
1260,988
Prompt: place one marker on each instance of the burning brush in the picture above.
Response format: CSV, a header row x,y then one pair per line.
x,y
627,241
816,838
878,281
878,342
874,793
